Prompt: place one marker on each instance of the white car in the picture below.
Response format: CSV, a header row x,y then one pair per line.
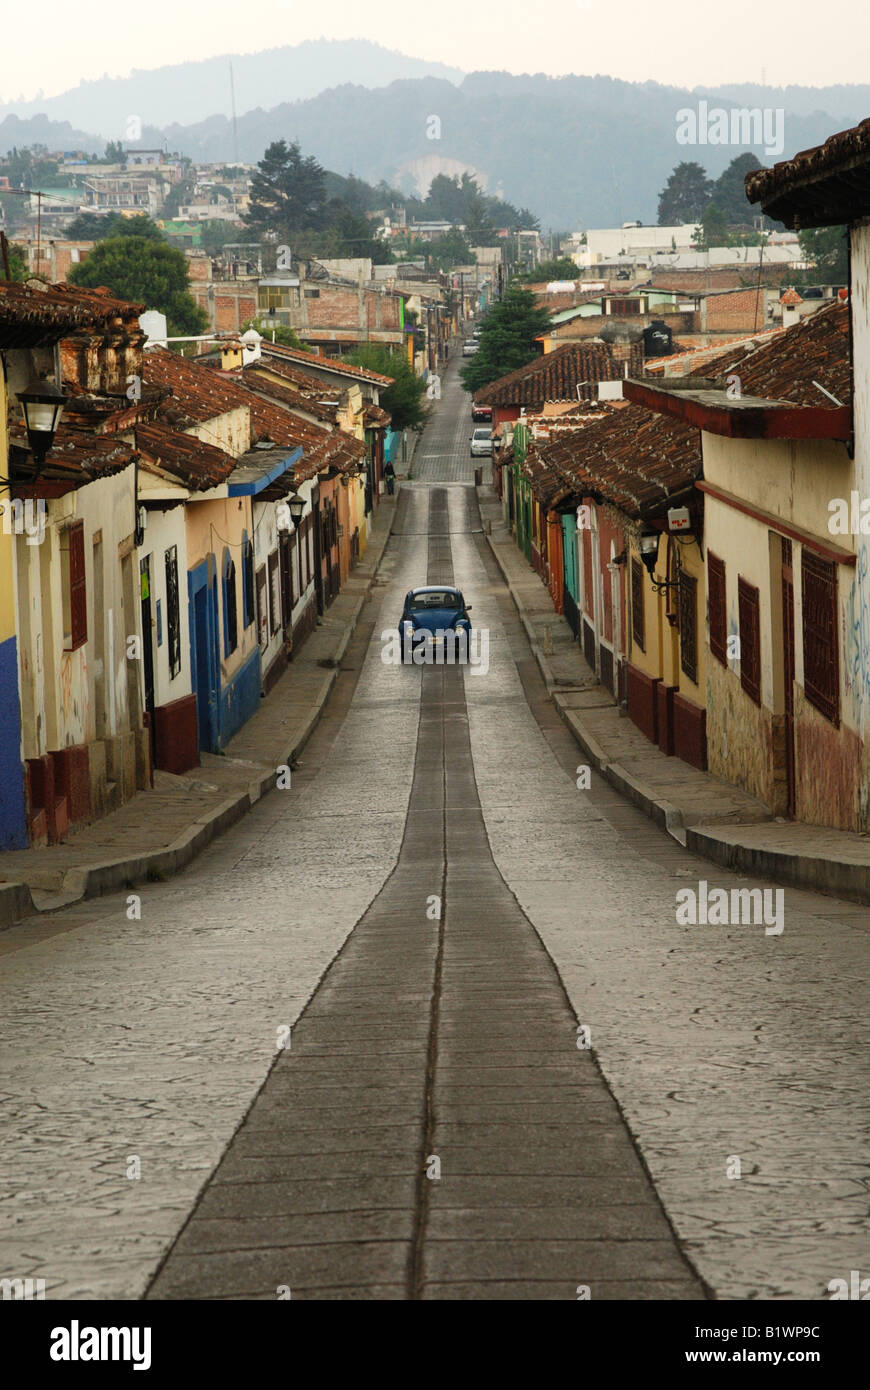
x,y
469,347
481,444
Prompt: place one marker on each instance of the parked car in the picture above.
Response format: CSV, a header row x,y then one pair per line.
x,y
481,444
469,347
481,412
435,609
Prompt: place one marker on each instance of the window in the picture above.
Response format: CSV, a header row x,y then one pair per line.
x,y
821,656
274,594
688,617
75,596
248,579
231,625
173,617
717,612
637,602
750,639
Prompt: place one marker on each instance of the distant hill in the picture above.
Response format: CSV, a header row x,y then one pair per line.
x,y
578,151
193,91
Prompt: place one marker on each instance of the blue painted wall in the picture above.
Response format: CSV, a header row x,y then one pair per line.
x,y
240,698
13,808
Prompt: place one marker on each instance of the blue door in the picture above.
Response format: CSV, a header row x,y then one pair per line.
x,y
203,655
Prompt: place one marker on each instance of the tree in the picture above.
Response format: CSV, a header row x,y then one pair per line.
x,y
728,191
93,226
562,268
283,333
825,249
404,399
288,193
114,153
145,271
713,229
684,196
507,341
17,262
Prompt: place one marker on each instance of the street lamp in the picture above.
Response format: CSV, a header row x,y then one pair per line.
x,y
297,507
649,550
42,405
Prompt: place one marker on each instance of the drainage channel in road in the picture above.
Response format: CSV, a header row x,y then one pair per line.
x,y
434,1130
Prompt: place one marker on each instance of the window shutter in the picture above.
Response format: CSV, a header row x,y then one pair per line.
x,y
821,649
717,613
78,595
750,639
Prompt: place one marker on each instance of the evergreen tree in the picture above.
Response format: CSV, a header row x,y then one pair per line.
x,y
684,196
508,338
288,192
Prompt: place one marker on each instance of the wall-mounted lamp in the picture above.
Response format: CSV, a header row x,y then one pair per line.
x,y
649,551
42,406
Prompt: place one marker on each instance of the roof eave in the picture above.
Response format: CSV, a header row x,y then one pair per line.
x,y
735,419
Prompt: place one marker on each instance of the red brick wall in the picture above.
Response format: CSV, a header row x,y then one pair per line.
x,y
740,310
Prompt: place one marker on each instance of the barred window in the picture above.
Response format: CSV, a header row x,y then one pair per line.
x,y
173,616
637,629
688,611
750,639
821,653
717,612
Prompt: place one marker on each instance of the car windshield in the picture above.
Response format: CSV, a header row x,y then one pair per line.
x,y
435,598
482,434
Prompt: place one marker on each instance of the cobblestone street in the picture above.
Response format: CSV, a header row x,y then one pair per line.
x,y
343,1052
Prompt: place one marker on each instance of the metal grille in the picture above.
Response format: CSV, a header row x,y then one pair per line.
x,y
750,639
688,614
274,594
173,621
717,613
821,658
637,630
78,594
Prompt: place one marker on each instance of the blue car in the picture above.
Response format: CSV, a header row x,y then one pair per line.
x,y
435,610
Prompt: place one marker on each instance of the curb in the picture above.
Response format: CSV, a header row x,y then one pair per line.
x,y
111,876
838,878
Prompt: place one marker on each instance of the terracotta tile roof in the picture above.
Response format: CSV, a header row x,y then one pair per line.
x,y
286,395
784,365
304,381
376,417
819,187
199,393
556,376
78,458
197,465
335,364
32,313
635,459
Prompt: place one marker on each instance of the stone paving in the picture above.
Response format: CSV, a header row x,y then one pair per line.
x,y
413,1038
389,1074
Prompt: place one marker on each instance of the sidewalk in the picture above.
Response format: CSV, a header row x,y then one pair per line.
x,y
710,817
158,832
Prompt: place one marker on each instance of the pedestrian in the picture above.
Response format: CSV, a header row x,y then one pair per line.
x,y
390,477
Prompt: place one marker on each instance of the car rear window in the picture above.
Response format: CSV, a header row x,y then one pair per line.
x,y
436,598
483,434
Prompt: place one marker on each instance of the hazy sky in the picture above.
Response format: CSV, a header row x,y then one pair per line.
x,y
53,45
